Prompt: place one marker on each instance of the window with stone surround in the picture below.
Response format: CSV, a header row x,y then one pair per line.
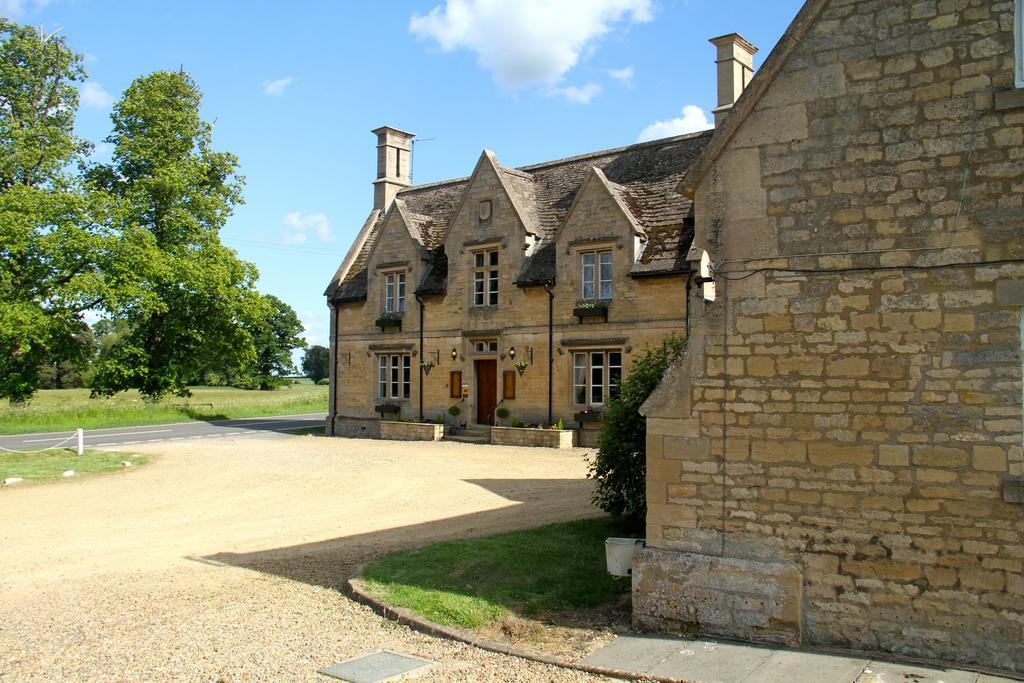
x,y
394,376
596,274
394,292
596,376
485,278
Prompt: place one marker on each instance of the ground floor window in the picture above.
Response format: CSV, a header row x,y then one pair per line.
x,y
596,376
394,376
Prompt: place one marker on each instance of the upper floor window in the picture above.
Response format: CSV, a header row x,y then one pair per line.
x,y
597,274
596,376
394,292
485,278
394,376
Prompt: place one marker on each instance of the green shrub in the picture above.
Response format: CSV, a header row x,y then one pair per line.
x,y
502,412
324,382
455,411
561,424
515,422
620,466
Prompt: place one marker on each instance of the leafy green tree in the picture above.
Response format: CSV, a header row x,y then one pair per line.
x,y
620,466
275,337
53,241
195,303
316,363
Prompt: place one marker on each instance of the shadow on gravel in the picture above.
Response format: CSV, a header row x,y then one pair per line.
x,y
331,563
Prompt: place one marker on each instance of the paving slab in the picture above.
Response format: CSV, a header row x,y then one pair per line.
x,y
888,672
707,660
376,667
635,653
788,665
710,661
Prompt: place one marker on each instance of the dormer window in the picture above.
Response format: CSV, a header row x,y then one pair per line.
x,y
596,269
485,278
394,292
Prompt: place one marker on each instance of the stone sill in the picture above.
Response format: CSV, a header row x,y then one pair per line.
x,y
1013,489
1010,99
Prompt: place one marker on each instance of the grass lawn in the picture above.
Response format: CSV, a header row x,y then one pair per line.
x,y
58,410
52,464
476,582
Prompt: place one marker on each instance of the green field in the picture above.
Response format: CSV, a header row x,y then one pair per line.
x,y
58,410
477,582
50,465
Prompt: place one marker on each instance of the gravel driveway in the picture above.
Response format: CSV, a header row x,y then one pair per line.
x,y
222,559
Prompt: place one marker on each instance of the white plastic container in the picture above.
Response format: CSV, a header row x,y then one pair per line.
x,y
619,554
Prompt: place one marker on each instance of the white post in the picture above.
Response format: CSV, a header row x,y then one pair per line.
x,y
80,433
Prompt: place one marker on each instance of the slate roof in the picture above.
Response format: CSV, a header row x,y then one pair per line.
x,y
644,177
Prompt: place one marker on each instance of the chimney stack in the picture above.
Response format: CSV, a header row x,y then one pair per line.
x,y
735,69
394,152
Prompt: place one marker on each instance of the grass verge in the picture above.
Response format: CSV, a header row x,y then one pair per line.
x,y
50,465
58,410
477,582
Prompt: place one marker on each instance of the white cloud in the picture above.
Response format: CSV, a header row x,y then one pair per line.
x,y
19,8
580,95
693,119
93,95
299,226
623,75
277,87
90,58
529,41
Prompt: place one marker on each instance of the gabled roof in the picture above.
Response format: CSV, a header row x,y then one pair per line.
x,y
642,177
755,90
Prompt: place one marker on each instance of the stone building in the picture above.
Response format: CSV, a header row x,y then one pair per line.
x,y
837,460
528,288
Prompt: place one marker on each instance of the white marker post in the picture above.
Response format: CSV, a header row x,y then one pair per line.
x,y
80,433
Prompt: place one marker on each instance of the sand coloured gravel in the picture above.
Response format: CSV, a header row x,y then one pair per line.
x,y
222,559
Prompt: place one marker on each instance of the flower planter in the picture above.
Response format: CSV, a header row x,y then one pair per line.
x,y
411,431
387,409
591,416
591,311
528,436
388,322
619,554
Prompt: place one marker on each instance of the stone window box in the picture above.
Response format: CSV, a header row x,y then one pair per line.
x,y
411,431
388,321
387,409
592,416
591,310
533,437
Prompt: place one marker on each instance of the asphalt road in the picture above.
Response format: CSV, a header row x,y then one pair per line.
x,y
121,436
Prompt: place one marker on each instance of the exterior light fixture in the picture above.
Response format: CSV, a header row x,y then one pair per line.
x,y
455,353
512,352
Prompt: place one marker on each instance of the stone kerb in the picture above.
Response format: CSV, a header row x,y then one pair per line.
x,y
527,436
411,431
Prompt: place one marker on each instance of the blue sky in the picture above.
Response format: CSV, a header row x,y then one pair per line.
x,y
296,87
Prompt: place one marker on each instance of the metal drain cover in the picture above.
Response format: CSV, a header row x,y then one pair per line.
x,y
380,666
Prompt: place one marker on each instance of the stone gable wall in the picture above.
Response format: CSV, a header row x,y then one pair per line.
x,y
856,418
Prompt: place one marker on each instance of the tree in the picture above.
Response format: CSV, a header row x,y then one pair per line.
x,y
620,466
275,337
316,364
195,303
53,242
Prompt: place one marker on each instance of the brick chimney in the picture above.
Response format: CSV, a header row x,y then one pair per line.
x,y
394,150
735,69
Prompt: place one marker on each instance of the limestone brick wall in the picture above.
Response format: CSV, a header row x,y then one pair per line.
x,y
854,415
539,438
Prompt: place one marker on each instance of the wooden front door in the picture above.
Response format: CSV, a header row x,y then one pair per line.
x,y
486,390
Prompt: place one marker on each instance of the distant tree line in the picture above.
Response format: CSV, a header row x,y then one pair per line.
x,y
134,241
